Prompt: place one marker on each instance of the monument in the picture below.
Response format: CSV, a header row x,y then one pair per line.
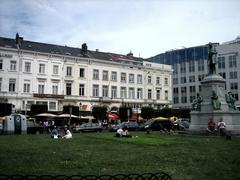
x,y
213,102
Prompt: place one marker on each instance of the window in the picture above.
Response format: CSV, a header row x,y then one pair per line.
x,y
27,67
192,89
52,105
131,78
26,87
201,65
1,64
55,69
184,94
166,81
104,91
149,94
175,96
123,77
42,68
41,89
183,80
69,71
55,89
232,61
139,79
234,86
105,76
166,95
114,76
233,75
81,72
13,65
201,77
68,89
223,74
114,92
158,94
158,80
175,69
95,90
175,80
12,85
183,67
221,62
149,79
191,79
139,93
0,84
131,93
123,92
96,74
191,66
81,89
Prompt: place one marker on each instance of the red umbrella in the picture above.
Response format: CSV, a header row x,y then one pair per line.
x,y
112,116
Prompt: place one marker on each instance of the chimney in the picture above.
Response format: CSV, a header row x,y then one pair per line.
x,y
84,49
130,54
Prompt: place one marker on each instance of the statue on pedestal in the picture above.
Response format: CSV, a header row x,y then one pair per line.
x,y
212,61
215,101
196,104
231,101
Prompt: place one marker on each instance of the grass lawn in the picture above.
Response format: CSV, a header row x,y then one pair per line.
x,y
182,157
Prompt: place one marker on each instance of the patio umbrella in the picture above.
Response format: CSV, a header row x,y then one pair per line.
x,y
160,118
45,115
67,116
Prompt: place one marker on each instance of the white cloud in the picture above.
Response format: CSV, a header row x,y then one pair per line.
x,y
146,27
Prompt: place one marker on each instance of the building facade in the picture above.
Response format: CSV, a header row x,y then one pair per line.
x,y
190,67
38,73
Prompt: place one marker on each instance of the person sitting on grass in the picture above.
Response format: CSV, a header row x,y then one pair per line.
x,y
222,127
54,133
126,133
119,132
211,126
68,134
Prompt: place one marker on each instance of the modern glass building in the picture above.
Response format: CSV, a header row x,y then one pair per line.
x,y
190,67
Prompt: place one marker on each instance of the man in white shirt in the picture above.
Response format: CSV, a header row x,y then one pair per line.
x,y
119,132
222,127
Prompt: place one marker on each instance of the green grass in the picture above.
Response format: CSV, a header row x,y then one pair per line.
x,y
182,157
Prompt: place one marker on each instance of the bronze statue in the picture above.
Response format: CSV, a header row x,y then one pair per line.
x,y
215,102
196,104
212,61
231,101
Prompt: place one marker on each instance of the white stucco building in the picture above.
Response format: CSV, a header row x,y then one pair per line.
x,y
32,72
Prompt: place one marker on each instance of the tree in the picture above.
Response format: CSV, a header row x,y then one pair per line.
x,y
99,112
5,109
147,112
38,109
125,113
74,110
166,112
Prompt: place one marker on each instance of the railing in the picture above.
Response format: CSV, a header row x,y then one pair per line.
x,y
146,176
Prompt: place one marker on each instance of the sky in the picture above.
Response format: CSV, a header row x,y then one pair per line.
x,y
144,27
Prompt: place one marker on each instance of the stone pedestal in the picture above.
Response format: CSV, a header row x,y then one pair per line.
x,y
199,119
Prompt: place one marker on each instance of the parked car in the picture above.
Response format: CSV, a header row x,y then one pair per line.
x,y
131,126
88,127
34,128
157,125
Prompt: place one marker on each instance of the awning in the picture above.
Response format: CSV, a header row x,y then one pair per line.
x,y
112,116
